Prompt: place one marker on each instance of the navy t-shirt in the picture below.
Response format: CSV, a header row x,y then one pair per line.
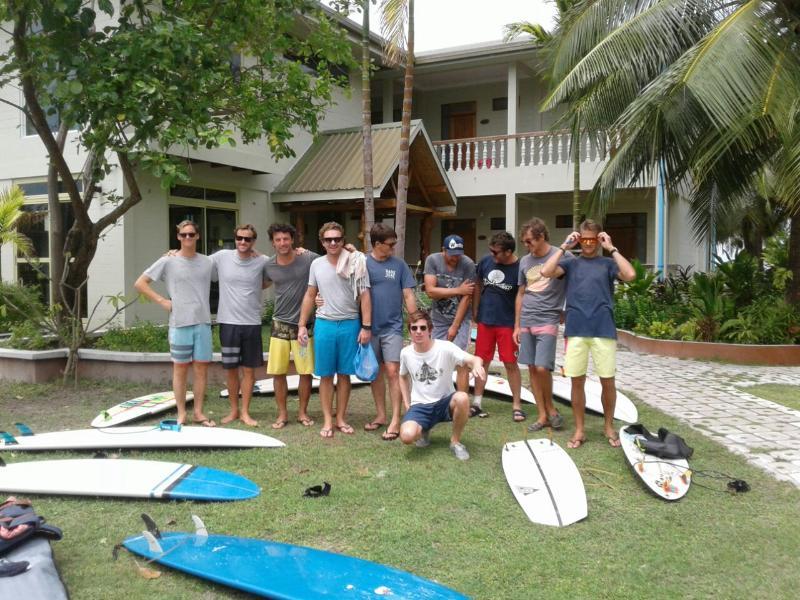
x,y
499,284
387,281
590,297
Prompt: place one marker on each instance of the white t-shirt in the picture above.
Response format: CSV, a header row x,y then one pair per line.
x,y
431,372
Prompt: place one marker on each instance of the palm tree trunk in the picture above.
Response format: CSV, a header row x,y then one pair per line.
x,y
794,261
405,134
576,186
366,128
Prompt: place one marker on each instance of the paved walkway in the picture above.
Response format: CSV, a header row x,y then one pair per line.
x,y
706,395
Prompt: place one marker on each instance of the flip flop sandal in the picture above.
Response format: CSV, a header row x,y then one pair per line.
x,y
280,424
390,436
373,426
315,491
518,416
536,426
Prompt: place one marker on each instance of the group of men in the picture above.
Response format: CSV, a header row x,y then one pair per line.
x,y
325,306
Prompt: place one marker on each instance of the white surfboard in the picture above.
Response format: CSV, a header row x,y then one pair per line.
x,y
143,406
139,437
125,478
667,478
498,385
624,410
545,482
266,387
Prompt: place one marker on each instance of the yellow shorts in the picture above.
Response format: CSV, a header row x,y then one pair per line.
x,y
604,356
278,361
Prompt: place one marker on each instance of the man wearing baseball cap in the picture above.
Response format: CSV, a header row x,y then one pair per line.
x,y
450,282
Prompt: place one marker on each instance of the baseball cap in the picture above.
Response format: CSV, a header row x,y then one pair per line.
x,y
454,245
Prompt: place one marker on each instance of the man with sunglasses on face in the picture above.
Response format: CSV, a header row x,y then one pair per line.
x,y
589,325
343,321
426,384
188,279
493,311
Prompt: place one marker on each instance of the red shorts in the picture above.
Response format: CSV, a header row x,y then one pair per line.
x,y
490,336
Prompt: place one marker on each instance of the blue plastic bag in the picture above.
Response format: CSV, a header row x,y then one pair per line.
x,y
366,363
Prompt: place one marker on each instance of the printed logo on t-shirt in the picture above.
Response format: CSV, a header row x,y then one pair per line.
x,y
495,278
426,374
536,283
448,307
390,274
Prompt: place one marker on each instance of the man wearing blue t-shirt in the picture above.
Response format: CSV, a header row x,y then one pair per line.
x,y
589,325
391,285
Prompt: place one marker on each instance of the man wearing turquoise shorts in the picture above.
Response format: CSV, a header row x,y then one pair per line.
x,y
589,325
188,280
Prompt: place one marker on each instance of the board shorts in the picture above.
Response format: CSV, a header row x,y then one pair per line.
x,y
387,347
537,347
604,356
426,415
241,346
282,343
190,344
491,336
462,337
335,345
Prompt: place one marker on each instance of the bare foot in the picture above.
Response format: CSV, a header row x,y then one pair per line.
x,y
181,418
230,417
305,420
248,420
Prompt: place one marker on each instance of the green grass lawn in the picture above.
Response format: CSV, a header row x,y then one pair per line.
x,y
787,395
426,512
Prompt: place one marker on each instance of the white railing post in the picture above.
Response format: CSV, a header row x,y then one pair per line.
x,y
523,152
467,162
458,155
452,157
502,164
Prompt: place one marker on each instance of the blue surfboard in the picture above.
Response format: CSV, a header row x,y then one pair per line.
x,y
282,571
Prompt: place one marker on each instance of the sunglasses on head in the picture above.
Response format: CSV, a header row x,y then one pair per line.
x,y
332,240
187,234
418,328
244,238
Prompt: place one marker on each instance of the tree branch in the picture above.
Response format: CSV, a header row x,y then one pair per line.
x,y
134,197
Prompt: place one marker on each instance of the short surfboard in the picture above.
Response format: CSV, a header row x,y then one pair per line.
x,y
158,436
282,571
666,478
624,410
545,482
501,387
266,387
124,478
137,408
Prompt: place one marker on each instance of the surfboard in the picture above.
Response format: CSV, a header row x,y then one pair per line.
x,y
498,385
666,478
624,410
158,436
266,387
144,406
125,478
281,571
545,482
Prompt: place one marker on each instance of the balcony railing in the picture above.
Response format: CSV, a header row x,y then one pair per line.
x,y
532,149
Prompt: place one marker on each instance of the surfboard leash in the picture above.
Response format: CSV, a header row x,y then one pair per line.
x,y
734,486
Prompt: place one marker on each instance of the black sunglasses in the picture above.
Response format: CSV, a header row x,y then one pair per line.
x,y
244,238
187,234
332,240
418,328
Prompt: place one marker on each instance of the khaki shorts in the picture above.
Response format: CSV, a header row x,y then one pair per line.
x,y
283,343
604,356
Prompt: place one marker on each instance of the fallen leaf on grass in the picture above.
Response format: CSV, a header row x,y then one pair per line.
x,y
363,471
149,573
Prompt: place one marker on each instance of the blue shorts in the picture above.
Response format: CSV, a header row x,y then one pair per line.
x,y
190,343
335,345
428,415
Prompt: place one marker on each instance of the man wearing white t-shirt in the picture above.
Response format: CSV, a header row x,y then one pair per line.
x,y
426,384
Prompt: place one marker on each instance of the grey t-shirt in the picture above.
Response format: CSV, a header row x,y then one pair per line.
x,y
240,285
188,283
291,283
444,311
336,291
544,296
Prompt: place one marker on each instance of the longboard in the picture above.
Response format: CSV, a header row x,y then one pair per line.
x,y
545,482
139,437
281,571
125,478
498,385
666,478
624,410
144,406
266,387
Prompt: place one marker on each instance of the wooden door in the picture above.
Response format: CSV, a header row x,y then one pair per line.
x,y
628,232
466,229
462,127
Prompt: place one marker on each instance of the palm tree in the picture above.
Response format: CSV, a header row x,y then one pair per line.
x,y
11,216
395,16
366,125
705,91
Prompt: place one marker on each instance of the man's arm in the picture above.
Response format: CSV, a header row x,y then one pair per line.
x,y
439,293
551,268
410,300
405,390
142,286
518,313
626,270
366,318
475,364
461,313
476,298
305,312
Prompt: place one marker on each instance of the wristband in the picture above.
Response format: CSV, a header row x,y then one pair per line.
x,y
562,249
613,250
366,327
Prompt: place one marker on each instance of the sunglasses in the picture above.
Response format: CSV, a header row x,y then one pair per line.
x,y
244,238
418,328
528,241
332,240
188,234
588,241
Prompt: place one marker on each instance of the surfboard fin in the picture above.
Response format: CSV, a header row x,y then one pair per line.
x,y
199,526
8,439
151,525
152,543
23,429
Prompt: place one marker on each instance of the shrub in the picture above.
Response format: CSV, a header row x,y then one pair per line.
x,y
24,297
767,321
659,330
27,336
267,312
144,337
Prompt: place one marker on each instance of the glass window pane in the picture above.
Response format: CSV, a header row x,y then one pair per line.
x,y
31,276
220,195
185,213
34,225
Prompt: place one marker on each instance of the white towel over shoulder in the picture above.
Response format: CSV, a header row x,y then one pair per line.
x,y
353,267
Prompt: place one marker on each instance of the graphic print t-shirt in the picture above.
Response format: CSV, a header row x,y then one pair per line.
x,y
444,311
431,372
544,296
387,280
498,292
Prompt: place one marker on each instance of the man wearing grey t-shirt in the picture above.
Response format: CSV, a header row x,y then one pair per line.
x,y
188,278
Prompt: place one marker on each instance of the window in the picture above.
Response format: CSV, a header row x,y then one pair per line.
x,y
497,223
202,193
500,103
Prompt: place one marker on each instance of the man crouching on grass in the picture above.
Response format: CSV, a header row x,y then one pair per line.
x,y
430,397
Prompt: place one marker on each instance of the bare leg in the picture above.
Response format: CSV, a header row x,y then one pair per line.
x,y
304,395
462,382
609,398
180,373
459,406
248,381
410,432
578,410
393,375
281,393
232,379
326,401
378,388
342,398
515,381
542,384
199,389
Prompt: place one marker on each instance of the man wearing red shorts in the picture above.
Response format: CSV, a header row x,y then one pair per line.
x,y
493,309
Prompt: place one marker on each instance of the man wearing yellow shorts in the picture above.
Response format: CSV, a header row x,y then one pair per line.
x,y
589,326
289,272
